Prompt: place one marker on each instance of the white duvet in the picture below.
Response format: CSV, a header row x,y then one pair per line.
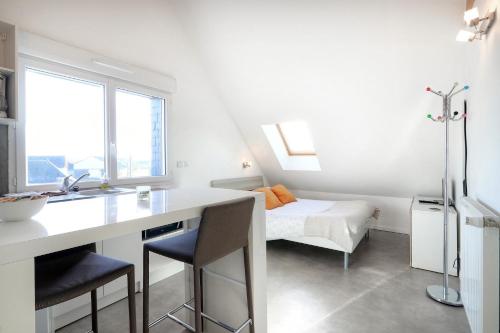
x,y
334,220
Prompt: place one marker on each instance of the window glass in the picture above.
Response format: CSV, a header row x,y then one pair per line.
x,y
297,138
65,127
140,135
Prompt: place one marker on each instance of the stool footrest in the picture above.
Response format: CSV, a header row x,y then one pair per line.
x,y
188,306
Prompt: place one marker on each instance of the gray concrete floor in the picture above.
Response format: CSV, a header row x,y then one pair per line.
x,y
308,291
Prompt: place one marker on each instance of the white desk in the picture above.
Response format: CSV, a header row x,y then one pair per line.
x,y
68,224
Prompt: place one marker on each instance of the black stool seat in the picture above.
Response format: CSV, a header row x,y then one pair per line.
x,y
179,248
59,279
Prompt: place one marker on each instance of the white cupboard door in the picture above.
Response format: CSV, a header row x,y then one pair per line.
x,y
127,248
427,240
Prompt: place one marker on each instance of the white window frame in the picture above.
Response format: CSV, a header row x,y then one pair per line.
x,y
110,86
114,85
289,150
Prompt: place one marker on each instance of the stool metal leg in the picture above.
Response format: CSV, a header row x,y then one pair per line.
x,y
93,301
201,299
145,292
197,299
198,303
131,302
248,281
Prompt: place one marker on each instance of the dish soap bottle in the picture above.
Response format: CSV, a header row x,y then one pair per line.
x,y
104,184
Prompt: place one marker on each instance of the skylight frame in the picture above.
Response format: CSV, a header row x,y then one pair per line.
x,y
290,151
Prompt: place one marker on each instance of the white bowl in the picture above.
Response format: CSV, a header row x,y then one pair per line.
x,y
22,209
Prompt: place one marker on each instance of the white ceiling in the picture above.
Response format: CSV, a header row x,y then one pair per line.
x,y
355,71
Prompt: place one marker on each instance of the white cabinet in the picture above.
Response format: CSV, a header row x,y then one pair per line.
x,y
427,237
127,248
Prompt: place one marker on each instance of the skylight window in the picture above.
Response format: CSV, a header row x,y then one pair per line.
x,y
292,145
296,138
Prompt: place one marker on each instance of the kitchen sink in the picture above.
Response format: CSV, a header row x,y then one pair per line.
x,y
110,191
69,197
89,194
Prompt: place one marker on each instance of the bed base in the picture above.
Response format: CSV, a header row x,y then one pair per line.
x,y
331,245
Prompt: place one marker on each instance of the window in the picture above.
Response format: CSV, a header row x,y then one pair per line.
x,y
296,138
139,135
292,145
64,128
77,122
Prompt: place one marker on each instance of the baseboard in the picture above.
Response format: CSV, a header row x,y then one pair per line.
x,y
389,229
72,316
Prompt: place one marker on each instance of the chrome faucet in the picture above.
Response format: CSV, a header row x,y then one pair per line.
x,y
67,187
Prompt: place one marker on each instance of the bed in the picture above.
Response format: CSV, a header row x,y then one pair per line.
x,y
335,225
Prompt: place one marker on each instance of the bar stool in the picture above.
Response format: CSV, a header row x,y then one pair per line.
x,y
67,274
223,229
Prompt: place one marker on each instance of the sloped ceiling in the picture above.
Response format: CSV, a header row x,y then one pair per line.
x,y
146,33
355,71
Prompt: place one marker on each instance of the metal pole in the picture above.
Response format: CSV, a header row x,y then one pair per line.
x,y
446,111
444,294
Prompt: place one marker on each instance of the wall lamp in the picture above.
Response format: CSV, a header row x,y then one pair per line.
x,y
481,25
247,164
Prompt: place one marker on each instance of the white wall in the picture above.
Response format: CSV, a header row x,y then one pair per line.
x,y
355,71
394,212
147,34
483,65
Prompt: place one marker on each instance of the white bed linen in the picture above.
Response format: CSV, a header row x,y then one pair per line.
x,y
289,220
334,220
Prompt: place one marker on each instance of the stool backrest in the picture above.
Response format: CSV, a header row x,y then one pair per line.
x,y
223,229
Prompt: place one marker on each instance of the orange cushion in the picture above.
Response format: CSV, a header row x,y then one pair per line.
x,y
272,200
283,194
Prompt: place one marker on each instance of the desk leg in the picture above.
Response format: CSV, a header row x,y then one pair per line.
x,y
17,297
258,265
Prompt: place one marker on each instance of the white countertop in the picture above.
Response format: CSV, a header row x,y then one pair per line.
x,y
67,224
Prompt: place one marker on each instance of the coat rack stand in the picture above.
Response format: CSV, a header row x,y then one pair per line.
x,y
443,293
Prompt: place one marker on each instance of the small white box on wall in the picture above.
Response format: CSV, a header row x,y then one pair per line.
x,y
427,237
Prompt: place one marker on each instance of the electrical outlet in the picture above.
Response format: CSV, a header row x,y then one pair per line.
x,y
182,164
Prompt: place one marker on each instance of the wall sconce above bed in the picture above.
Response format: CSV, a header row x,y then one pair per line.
x,y
481,25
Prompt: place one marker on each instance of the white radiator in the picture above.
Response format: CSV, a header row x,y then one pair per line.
x,y
479,274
